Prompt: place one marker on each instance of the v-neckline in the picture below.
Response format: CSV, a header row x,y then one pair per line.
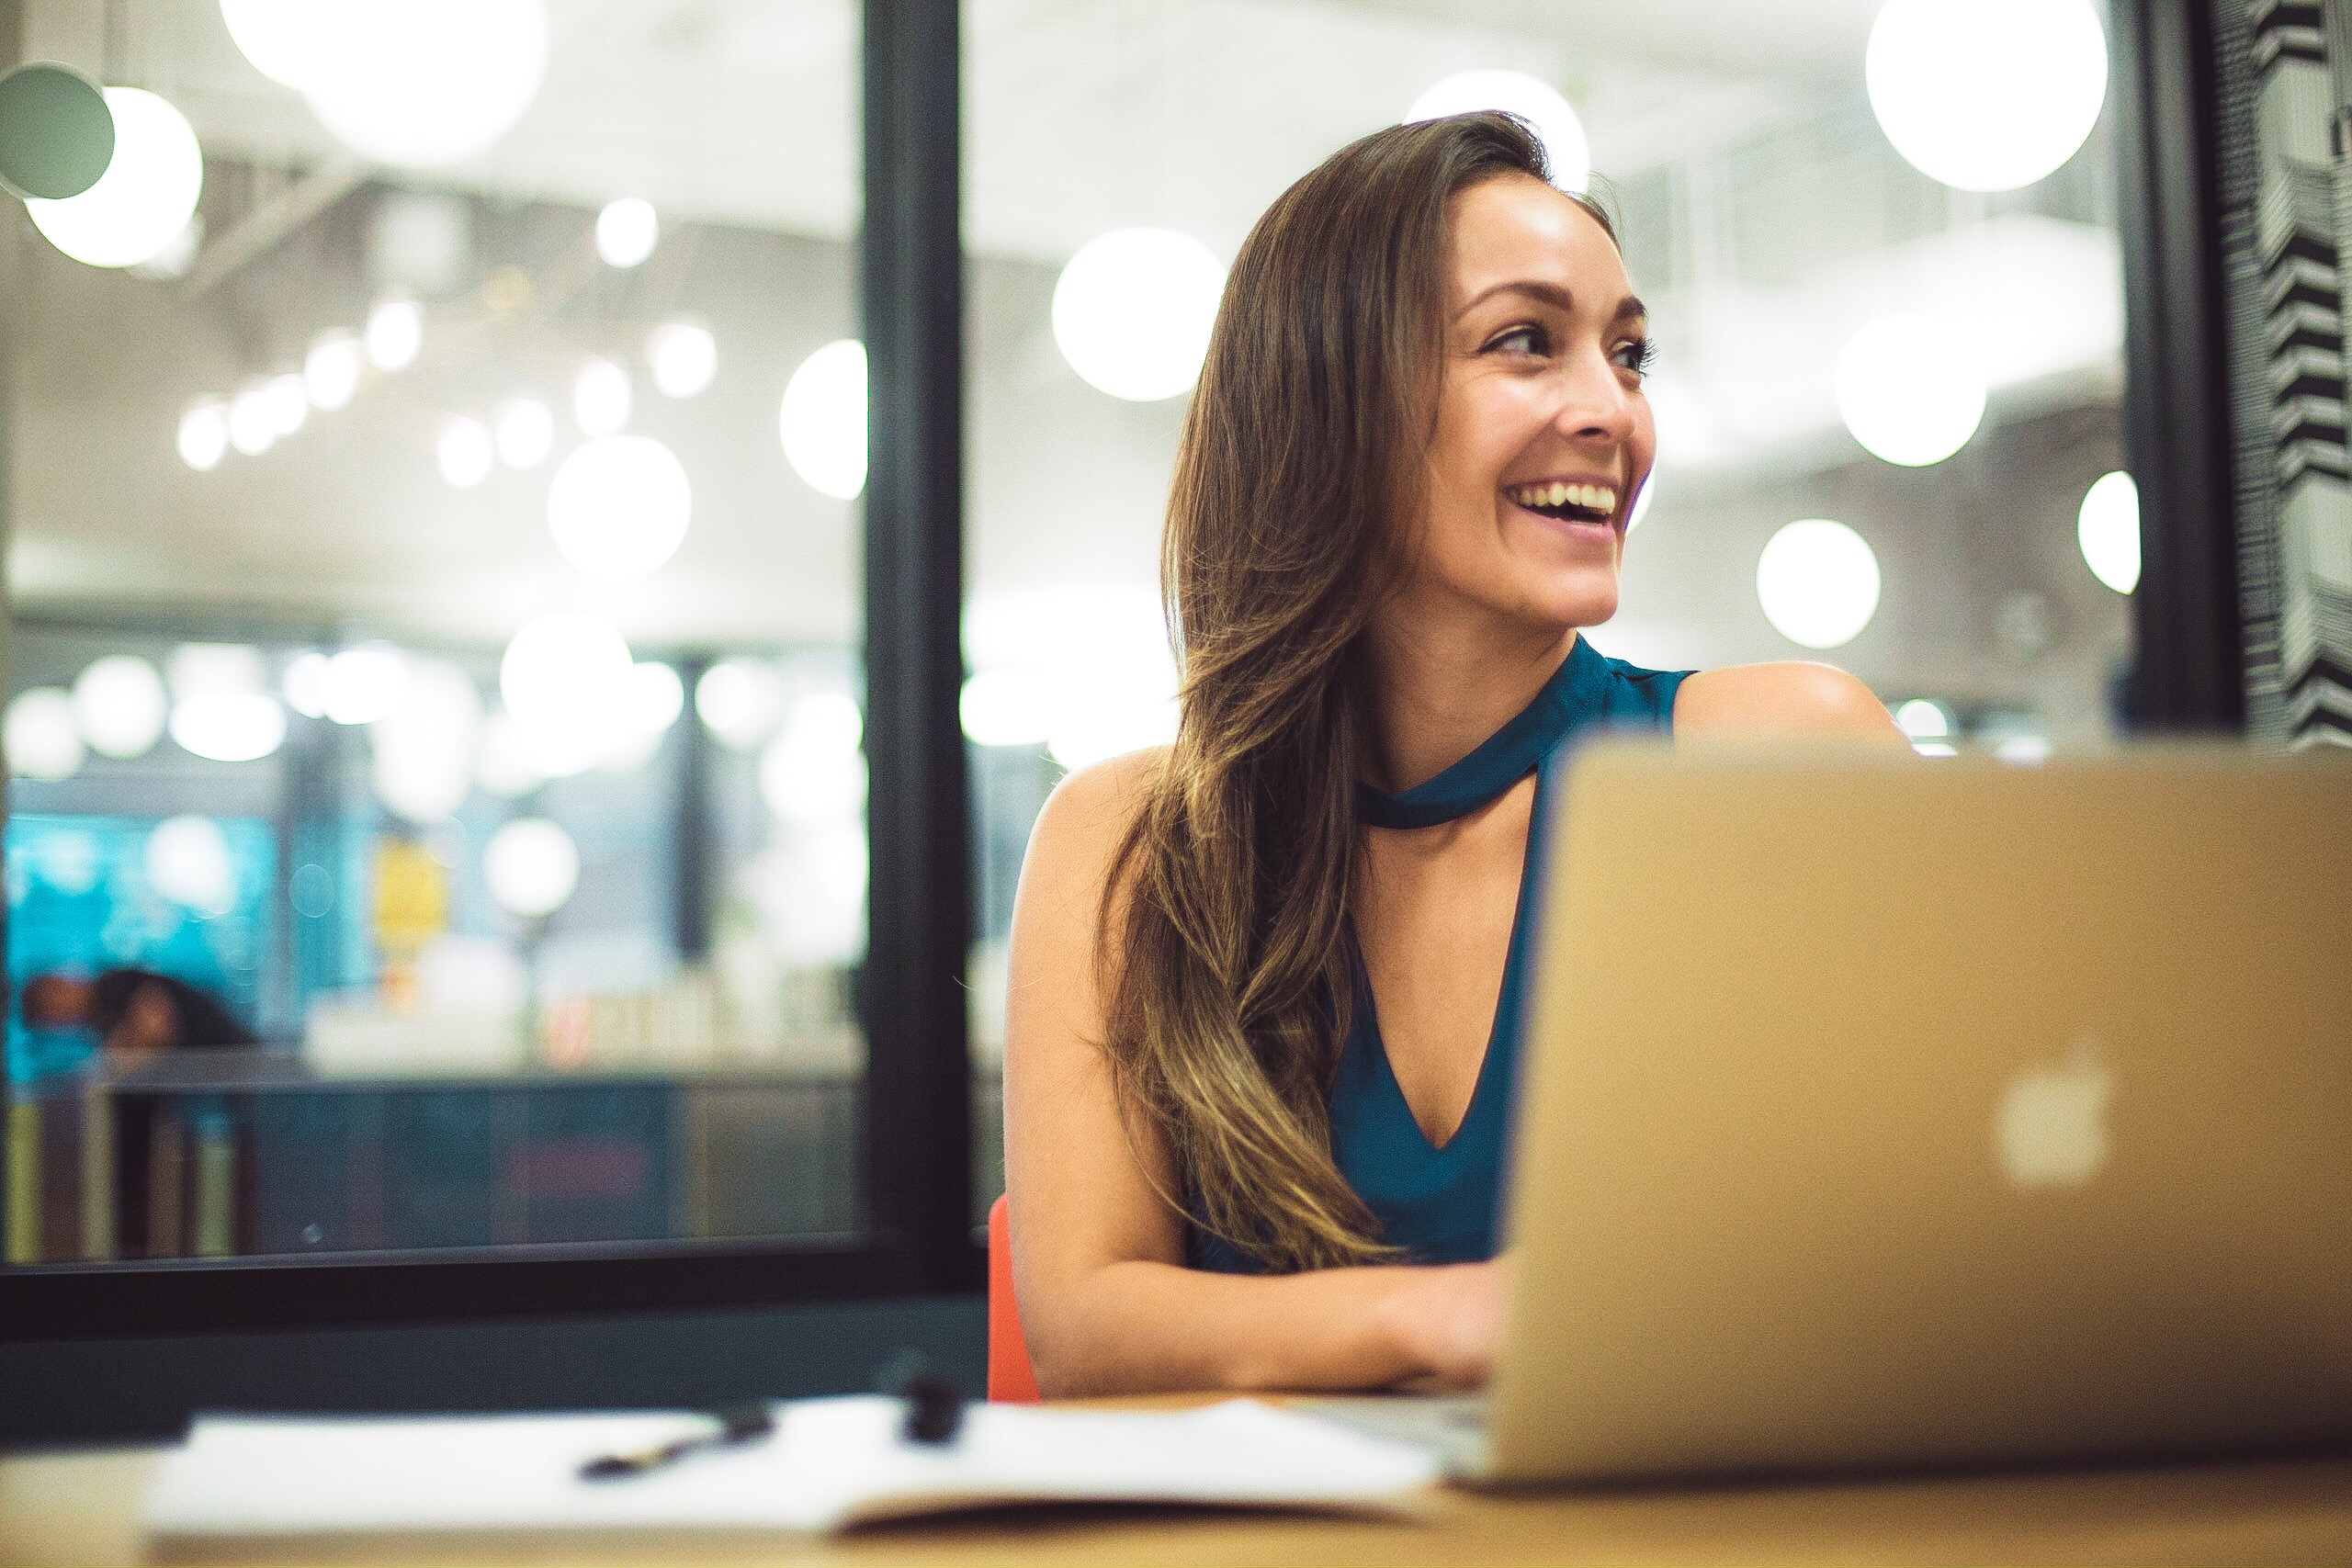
x,y
1503,997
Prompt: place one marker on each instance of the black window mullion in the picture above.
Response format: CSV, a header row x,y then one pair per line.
x,y
917,1136
2188,669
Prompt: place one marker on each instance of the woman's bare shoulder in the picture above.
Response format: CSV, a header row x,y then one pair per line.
x,y
1078,832
1094,806
1791,697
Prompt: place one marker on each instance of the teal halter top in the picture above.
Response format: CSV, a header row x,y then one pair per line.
x,y
1440,1203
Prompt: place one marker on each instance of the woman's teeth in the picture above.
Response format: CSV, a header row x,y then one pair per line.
x,y
1556,499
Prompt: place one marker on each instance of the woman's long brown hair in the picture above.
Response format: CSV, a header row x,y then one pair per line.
x,y
1228,970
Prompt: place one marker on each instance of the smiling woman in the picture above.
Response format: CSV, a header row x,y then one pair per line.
x,y
1265,982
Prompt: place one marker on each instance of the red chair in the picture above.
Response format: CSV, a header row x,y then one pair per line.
x,y
1011,1378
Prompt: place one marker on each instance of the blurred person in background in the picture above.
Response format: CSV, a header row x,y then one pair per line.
x,y
134,1013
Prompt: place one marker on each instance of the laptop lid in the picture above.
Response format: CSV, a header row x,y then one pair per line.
x,y
1891,1112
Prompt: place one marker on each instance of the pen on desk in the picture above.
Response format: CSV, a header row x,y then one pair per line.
x,y
737,1424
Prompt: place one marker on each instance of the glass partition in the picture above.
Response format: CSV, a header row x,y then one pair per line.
x,y
436,802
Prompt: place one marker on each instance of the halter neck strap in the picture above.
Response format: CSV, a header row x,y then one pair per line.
x,y
1576,694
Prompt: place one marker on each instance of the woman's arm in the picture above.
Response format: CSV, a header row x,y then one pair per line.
x,y
1106,1303
1787,699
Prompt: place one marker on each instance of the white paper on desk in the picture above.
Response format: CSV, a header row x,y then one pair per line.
x,y
833,1463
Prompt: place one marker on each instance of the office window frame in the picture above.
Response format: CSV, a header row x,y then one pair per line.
x,y
915,1161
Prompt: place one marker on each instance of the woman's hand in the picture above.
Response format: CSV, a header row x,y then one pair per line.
x,y
1447,1322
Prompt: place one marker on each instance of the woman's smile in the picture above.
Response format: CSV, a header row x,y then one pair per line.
x,y
1576,506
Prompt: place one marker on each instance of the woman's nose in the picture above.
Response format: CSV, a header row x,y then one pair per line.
x,y
1594,403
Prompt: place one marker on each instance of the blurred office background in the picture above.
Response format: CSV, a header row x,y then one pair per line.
x,y
434,474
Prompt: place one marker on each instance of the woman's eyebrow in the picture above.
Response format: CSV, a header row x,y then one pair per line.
x,y
1628,308
1549,293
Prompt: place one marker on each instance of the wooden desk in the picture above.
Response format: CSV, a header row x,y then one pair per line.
x,y
67,1511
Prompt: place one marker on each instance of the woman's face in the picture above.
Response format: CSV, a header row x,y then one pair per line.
x,y
1543,434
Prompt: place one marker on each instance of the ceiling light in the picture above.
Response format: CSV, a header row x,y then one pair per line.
x,y
253,424
656,697
289,405
525,432
627,232
188,862
360,686
394,334
1532,100
619,506
1911,389
1818,582
466,451
684,356
331,370
145,197
740,700
531,866
1006,707
119,706
813,772
229,727
566,673
823,418
281,38
422,764
1987,94
204,434
2108,529
424,84
1133,310
40,735
305,685
600,398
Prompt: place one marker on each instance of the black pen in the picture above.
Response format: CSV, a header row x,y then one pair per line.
x,y
737,1424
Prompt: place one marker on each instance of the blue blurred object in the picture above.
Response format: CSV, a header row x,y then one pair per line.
x,y
80,901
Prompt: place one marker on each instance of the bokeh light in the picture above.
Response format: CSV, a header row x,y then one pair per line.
x,y
1532,100
203,438
394,334
1987,94
822,419
1133,310
627,232
531,866
1818,582
465,451
146,196
2106,527
188,862
684,356
41,739
119,706
1911,388
416,84
619,507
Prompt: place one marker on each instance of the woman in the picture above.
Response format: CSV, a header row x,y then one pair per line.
x,y
1263,995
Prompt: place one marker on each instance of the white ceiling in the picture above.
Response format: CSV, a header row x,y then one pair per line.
x,y
1080,114
738,115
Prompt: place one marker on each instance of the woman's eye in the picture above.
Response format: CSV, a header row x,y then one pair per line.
x,y
1636,355
1520,340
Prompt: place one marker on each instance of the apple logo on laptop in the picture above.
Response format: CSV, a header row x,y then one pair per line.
x,y
2052,1131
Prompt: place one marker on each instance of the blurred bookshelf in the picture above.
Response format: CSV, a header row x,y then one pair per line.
x,y
247,1152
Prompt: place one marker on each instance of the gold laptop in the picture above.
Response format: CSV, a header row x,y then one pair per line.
x,y
1894,1113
